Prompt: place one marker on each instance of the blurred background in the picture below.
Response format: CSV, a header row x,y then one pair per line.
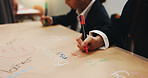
x,y
57,7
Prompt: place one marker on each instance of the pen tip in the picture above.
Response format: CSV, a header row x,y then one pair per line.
x,y
86,49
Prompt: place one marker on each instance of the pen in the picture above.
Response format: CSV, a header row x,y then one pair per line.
x,y
84,35
46,12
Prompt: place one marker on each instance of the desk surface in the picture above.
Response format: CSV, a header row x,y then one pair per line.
x,y
28,50
28,12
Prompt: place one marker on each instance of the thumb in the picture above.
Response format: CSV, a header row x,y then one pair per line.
x,y
87,41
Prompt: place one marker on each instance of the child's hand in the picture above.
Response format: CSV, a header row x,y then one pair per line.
x,y
92,42
15,6
48,20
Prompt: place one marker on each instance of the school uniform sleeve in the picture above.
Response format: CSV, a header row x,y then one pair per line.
x,y
65,20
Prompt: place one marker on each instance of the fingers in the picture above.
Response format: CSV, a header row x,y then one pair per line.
x,y
79,39
79,42
81,47
48,20
93,43
43,20
88,40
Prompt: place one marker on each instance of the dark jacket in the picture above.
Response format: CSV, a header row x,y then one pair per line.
x,y
97,19
133,21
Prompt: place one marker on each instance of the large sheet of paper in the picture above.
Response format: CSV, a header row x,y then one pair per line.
x,y
29,50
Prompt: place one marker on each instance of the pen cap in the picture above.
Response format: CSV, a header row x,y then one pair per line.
x,y
82,19
46,9
46,5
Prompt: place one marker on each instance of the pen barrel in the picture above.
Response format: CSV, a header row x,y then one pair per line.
x,y
82,21
45,22
84,36
46,12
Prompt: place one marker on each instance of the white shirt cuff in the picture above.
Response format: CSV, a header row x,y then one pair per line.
x,y
105,38
51,20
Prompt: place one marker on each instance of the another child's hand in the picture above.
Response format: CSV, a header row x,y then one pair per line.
x,y
48,20
92,42
15,6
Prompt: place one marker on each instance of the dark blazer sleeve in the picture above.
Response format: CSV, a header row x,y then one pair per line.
x,y
65,20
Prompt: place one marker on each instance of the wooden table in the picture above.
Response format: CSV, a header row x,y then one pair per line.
x,y
28,50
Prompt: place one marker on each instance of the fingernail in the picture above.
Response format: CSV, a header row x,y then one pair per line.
x,y
83,44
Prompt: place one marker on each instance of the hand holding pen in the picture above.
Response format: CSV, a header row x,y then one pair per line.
x,y
84,35
89,42
46,20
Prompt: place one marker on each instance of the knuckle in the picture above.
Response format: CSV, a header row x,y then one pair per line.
x,y
77,39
